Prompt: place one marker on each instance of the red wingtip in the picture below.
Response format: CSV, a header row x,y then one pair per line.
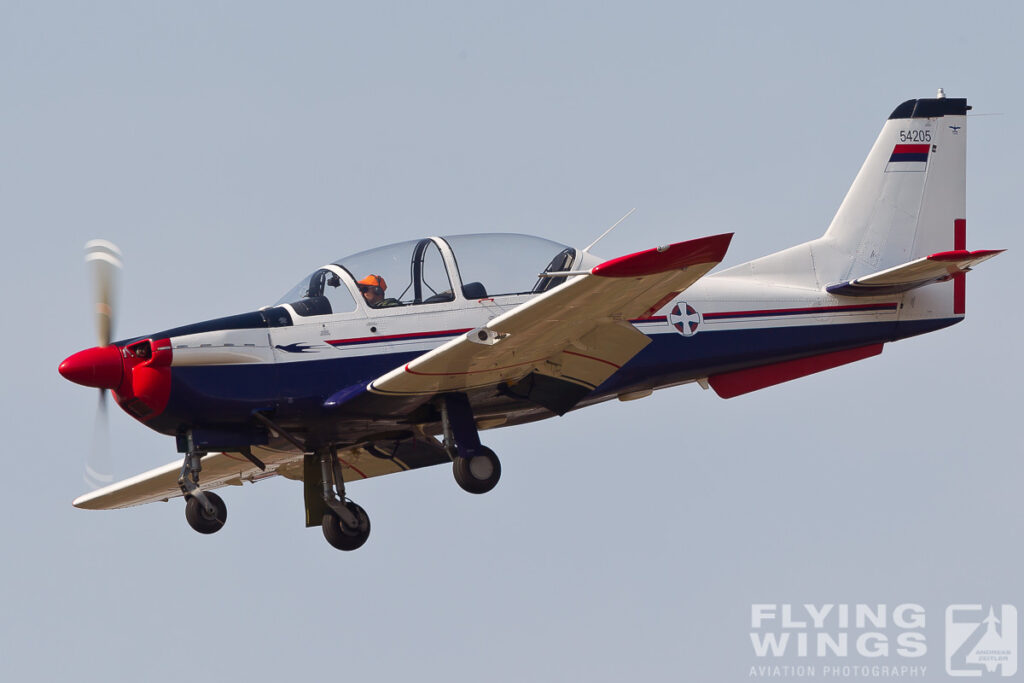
x,y
99,367
662,259
962,254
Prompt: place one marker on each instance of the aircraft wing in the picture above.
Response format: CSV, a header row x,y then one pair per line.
x,y
233,469
161,483
559,346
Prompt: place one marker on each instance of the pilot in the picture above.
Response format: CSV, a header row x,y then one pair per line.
x,y
373,288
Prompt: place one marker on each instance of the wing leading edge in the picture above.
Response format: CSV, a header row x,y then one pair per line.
x,y
161,483
361,461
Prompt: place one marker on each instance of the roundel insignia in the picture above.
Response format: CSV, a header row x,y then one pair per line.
x,y
684,318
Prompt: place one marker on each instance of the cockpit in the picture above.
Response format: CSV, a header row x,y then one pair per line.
x,y
432,271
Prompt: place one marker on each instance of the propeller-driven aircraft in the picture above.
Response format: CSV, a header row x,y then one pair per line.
x,y
397,358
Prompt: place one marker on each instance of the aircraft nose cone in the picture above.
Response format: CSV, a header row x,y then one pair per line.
x,y
98,367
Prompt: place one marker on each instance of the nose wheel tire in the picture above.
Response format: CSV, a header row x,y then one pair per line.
x,y
201,520
342,536
478,474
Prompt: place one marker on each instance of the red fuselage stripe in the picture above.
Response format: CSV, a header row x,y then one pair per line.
x,y
853,308
396,337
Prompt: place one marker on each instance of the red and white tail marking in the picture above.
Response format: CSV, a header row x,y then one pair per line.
x,y
960,279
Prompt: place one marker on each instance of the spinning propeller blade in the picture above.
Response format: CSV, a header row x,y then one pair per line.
x,y
104,260
98,469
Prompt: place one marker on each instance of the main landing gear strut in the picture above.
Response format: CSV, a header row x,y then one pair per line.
x,y
346,525
475,466
204,510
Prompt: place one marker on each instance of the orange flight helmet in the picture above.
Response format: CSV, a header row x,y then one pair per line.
x,y
374,281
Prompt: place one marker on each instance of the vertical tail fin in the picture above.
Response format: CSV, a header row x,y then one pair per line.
x,y
910,192
907,201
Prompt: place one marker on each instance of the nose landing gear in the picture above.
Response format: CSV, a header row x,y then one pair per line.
x,y
204,511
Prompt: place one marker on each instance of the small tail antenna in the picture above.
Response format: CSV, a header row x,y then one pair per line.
x,y
591,245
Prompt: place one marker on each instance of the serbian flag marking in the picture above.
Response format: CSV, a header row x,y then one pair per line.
x,y
908,158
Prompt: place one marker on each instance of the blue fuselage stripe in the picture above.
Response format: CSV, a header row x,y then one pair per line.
x,y
226,394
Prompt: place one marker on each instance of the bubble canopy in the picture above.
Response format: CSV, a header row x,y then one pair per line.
x,y
432,270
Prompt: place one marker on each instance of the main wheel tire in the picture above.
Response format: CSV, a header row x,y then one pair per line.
x,y
340,535
478,474
200,520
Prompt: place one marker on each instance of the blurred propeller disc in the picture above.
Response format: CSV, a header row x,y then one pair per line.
x,y
104,260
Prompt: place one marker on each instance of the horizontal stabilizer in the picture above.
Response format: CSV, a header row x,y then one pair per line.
x,y
935,268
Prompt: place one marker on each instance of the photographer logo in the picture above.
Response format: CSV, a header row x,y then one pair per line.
x,y
981,640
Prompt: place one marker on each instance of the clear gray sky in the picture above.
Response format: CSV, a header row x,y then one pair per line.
x,y
230,148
